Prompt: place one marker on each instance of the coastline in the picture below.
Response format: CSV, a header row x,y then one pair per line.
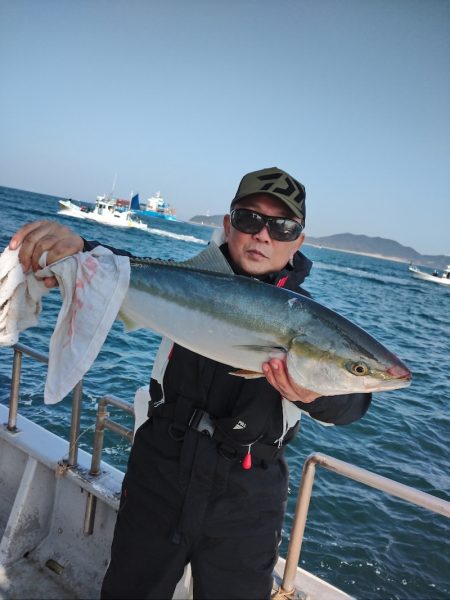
x,y
407,256
381,256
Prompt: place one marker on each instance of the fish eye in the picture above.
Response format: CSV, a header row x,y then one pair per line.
x,y
359,368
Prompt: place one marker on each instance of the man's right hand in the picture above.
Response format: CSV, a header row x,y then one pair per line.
x,y
40,236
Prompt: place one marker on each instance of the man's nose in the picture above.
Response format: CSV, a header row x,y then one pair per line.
x,y
263,235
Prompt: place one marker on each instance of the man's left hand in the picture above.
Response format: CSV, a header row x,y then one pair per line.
x,y
276,374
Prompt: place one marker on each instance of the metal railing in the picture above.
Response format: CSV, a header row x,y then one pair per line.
x,y
77,395
104,422
405,492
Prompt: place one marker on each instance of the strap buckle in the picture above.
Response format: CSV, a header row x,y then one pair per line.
x,y
202,422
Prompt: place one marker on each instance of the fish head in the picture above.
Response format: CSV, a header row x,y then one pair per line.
x,y
344,359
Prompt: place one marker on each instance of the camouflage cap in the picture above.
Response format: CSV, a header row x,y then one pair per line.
x,y
276,183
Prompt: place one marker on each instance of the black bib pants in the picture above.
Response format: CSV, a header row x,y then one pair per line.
x,y
186,501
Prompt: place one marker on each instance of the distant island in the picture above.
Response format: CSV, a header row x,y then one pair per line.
x,y
359,244
211,220
379,247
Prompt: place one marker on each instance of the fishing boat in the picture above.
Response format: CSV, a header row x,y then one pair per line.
x,y
157,207
443,279
107,211
58,505
71,206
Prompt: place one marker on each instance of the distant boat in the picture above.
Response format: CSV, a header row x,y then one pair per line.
x,y
434,277
106,211
156,207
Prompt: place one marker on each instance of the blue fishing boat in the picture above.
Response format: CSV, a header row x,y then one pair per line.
x,y
153,207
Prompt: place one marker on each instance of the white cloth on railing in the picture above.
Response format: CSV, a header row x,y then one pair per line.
x,y
20,298
92,284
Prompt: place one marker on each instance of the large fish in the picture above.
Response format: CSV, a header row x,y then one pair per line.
x,y
239,321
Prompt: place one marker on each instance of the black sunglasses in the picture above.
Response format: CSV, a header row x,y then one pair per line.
x,y
281,229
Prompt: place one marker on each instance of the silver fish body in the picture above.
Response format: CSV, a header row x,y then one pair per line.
x,y
242,322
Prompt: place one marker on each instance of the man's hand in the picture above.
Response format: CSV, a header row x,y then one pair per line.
x,y
276,374
40,236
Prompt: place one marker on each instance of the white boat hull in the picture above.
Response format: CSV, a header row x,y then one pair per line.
x,y
418,274
116,219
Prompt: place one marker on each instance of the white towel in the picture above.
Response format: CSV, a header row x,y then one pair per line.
x,y
20,298
93,286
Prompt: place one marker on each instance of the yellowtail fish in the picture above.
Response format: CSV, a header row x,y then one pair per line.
x,y
239,321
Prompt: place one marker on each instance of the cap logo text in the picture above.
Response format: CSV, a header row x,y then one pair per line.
x,y
292,190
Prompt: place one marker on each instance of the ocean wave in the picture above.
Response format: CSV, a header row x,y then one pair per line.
x,y
360,273
177,236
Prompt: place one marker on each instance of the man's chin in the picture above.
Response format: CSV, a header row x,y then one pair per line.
x,y
256,268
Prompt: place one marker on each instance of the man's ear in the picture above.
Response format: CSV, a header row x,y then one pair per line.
x,y
300,241
298,245
226,226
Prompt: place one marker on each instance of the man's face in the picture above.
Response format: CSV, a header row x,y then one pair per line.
x,y
258,254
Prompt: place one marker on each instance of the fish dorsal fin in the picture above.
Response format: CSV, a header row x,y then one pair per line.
x,y
209,259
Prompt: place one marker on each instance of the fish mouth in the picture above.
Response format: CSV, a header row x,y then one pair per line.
x,y
399,372
397,377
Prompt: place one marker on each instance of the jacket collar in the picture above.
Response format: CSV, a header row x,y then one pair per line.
x,y
290,277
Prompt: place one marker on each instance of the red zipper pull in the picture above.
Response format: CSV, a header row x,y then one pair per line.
x,y
247,462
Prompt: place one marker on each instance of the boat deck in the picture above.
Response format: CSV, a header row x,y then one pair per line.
x,y
26,579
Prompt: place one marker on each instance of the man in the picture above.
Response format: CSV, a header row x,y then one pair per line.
x,y
206,481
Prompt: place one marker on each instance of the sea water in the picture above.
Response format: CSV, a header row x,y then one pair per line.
x,y
361,540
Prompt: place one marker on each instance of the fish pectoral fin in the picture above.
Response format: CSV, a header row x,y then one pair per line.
x,y
266,348
246,374
270,351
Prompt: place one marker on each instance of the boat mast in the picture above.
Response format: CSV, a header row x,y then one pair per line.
x,y
113,187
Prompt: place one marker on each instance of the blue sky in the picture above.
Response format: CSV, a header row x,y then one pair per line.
x,y
352,97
